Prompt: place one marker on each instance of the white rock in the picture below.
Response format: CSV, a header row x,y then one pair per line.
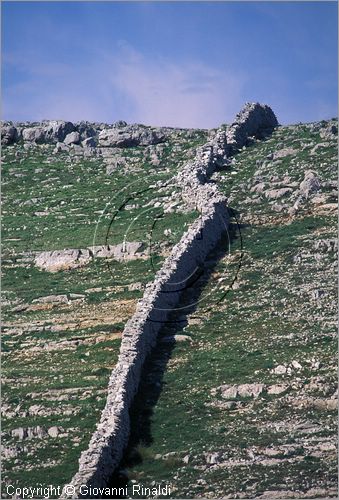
x,y
58,260
274,194
52,299
229,391
310,184
280,370
277,388
53,431
282,153
72,138
250,390
20,433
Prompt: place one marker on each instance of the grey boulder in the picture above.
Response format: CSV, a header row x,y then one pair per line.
x,y
57,130
48,132
51,299
310,183
282,153
72,138
60,147
72,258
129,250
115,164
9,135
59,260
275,194
85,130
130,136
34,134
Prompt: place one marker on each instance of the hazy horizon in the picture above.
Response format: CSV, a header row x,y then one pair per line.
x,y
188,65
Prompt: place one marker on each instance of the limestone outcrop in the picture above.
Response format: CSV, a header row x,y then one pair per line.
x,y
72,258
57,131
118,135
129,136
47,132
9,135
310,184
72,138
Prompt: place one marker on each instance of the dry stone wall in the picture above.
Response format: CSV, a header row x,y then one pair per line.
x,y
110,438
254,120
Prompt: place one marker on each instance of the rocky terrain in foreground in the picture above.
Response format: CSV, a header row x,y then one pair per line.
x,y
74,266
239,398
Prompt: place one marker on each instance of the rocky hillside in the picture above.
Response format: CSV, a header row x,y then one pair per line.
x,y
239,397
247,405
84,230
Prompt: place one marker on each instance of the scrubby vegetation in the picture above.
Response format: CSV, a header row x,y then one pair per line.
x,y
239,397
274,330
62,330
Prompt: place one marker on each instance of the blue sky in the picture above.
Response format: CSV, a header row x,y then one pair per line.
x,y
190,64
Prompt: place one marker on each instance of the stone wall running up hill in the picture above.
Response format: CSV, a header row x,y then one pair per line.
x,y
108,442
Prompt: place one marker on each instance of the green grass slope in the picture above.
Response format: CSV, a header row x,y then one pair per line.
x,y
58,352
267,316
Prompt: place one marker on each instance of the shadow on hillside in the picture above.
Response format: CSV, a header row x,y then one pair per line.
x,y
152,382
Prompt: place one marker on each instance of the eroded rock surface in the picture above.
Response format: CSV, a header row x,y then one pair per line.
x,y
70,258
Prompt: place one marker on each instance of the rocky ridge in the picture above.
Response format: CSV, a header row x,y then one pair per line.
x,y
83,134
